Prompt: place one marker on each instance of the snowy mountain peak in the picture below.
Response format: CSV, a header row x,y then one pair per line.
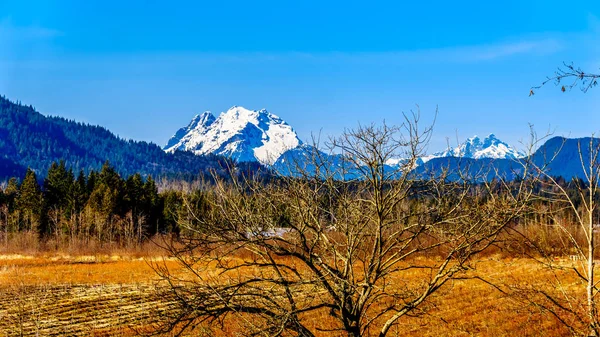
x,y
198,123
239,133
476,148
202,120
205,118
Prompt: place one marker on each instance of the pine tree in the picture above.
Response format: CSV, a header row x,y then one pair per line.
x,y
153,206
29,202
135,202
57,189
91,182
109,177
107,200
10,193
79,193
172,203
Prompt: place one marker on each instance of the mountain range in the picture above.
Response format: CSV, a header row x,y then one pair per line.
x,y
30,139
476,148
473,148
258,135
253,138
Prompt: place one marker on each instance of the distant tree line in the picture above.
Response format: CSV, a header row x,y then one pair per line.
x,y
105,207
67,207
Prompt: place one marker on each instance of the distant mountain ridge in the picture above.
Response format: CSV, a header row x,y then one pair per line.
x,y
473,148
476,148
30,139
558,156
239,133
257,135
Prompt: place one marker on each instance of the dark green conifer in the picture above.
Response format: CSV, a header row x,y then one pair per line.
x,y
29,202
57,189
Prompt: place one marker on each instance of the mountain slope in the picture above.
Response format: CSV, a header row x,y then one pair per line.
x,y
30,139
241,134
561,156
199,125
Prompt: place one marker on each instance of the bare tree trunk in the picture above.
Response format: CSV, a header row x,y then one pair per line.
x,y
590,263
348,233
577,313
590,283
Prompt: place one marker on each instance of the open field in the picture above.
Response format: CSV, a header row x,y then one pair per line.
x,y
118,295
84,295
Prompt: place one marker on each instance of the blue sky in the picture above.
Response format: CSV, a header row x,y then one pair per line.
x,y
144,68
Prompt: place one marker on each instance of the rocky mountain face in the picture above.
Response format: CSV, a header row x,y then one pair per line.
x,y
239,133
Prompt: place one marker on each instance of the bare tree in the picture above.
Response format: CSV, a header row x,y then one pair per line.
x,y
569,76
571,261
576,231
335,249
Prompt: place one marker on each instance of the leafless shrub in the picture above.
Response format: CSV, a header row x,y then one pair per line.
x,y
337,242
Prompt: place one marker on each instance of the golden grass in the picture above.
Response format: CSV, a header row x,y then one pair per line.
x,y
466,307
57,270
113,294
474,308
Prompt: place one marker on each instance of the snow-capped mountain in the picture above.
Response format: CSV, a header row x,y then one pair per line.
x,y
238,133
250,135
476,148
198,125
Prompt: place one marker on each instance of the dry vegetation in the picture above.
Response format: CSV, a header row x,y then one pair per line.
x,y
107,295
57,295
380,254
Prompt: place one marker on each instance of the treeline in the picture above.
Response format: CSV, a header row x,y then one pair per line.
x,y
100,207
105,208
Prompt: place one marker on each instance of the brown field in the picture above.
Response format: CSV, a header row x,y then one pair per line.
x,y
110,295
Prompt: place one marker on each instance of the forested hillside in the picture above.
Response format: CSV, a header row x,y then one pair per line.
x,y
30,139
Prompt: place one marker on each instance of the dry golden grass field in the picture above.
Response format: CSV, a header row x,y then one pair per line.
x,y
104,295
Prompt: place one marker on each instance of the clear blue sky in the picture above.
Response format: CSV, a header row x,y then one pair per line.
x,y
144,68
